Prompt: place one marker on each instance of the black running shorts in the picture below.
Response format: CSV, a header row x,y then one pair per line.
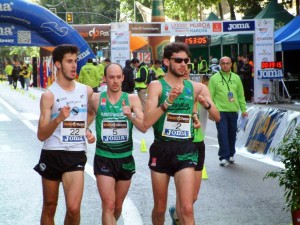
x,y
119,169
201,155
172,156
53,163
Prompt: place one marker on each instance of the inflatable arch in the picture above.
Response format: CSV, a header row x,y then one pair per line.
x,y
23,23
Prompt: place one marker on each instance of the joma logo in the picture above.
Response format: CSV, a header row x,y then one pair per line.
x,y
6,7
239,26
6,31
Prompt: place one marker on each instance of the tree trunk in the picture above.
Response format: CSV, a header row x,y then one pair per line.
x,y
220,11
232,13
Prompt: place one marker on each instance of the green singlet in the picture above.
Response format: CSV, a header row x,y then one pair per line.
x,y
114,130
176,123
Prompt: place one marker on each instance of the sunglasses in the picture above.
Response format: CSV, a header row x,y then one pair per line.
x,y
179,60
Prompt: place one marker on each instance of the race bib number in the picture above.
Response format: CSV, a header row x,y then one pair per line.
x,y
177,126
114,131
72,132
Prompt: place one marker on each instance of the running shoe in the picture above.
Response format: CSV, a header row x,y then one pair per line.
x,y
224,162
172,211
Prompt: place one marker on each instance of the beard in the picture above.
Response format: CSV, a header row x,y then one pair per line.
x,y
66,76
175,73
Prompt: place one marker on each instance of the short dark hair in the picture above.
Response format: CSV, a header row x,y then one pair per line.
x,y
106,67
60,51
107,60
157,61
127,62
135,60
176,47
90,60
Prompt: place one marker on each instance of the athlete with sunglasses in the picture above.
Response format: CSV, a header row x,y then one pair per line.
x,y
170,109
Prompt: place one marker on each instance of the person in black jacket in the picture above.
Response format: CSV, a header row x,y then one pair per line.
x,y
246,71
128,82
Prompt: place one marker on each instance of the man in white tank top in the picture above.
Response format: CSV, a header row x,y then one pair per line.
x,y
63,128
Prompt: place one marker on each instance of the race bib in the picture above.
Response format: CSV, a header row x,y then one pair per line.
x,y
114,131
73,132
177,126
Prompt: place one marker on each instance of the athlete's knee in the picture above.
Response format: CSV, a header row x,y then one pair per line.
x,y
49,208
108,206
187,210
159,209
73,210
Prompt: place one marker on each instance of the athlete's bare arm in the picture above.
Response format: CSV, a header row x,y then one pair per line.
x,y
203,97
90,116
47,125
136,108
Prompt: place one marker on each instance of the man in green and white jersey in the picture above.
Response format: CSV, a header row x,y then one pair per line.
x,y
169,109
116,113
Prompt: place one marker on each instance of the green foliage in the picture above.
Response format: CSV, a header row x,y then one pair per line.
x,y
289,178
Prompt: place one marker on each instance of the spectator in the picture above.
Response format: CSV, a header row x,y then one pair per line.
x,y
15,74
101,67
214,66
26,75
202,66
246,72
157,68
8,71
89,75
239,65
227,93
128,82
141,79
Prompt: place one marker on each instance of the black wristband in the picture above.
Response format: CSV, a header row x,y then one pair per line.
x,y
89,130
162,106
208,107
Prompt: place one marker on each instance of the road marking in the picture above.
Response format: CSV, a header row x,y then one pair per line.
x,y
30,116
130,213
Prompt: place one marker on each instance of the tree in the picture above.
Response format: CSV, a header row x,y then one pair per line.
x,y
85,11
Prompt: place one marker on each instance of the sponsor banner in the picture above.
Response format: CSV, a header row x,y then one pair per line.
x,y
239,26
15,35
270,74
191,28
174,29
94,32
201,28
120,47
263,52
148,29
265,128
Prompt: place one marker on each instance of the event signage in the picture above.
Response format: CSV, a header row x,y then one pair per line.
x,y
173,29
14,35
263,30
270,74
194,40
93,33
239,26
151,29
264,52
120,50
268,65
